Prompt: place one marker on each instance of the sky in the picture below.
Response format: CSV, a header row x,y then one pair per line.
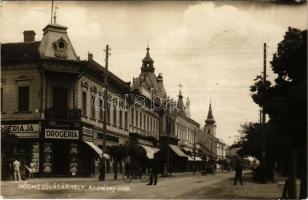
x,y
213,49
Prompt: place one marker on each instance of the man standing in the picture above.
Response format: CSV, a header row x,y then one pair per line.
x,y
153,172
16,168
238,170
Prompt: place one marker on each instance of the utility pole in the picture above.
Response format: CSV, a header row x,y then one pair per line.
x,y
103,165
168,135
263,162
260,117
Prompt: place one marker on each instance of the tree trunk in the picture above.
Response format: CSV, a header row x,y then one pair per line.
x,y
292,173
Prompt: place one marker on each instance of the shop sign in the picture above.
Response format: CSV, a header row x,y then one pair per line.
x,y
62,134
22,130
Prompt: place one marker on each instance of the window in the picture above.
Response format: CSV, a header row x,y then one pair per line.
x,y
101,110
144,120
1,100
23,99
140,124
108,113
92,107
132,116
114,116
84,103
125,121
137,118
151,128
157,125
121,118
148,122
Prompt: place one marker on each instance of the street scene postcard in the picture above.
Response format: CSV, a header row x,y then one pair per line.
x,y
153,99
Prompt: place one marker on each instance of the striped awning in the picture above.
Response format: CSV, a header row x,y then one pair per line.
x,y
177,150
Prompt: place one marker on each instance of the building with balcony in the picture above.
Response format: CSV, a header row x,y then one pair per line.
x,y
48,96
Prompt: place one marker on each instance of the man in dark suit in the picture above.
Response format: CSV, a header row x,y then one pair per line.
x,y
238,170
153,172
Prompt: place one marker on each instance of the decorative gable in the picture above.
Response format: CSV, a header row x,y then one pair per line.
x,y
56,43
60,47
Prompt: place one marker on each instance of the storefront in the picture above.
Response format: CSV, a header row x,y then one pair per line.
x,y
60,152
20,140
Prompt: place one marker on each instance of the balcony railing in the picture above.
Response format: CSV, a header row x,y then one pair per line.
x,y
63,114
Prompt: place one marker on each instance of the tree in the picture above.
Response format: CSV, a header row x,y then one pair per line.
x,y
290,91
286,103
250,145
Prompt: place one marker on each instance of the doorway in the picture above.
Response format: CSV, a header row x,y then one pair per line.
x,y
61,158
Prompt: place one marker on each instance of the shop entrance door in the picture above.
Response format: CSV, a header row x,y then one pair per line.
x,y
61,158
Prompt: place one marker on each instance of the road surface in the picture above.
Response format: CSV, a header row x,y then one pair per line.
x,y
172,187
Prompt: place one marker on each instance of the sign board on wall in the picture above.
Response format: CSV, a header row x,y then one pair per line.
x,y
87,134
62,134
22,130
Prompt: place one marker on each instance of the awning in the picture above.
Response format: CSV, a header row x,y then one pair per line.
x,y
191,158
177,150
187,149
150,151
97,149
198,158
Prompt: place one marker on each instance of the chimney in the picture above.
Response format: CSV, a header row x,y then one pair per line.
x,y
29,36
90,56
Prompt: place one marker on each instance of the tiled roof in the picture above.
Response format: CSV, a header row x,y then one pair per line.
x,y
16,52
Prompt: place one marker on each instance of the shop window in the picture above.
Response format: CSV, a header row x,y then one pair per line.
x,y
23,99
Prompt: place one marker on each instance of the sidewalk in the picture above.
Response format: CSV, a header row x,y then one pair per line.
x,y
226,190
109,178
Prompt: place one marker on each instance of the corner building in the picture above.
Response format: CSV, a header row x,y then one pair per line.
x,y
47,94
